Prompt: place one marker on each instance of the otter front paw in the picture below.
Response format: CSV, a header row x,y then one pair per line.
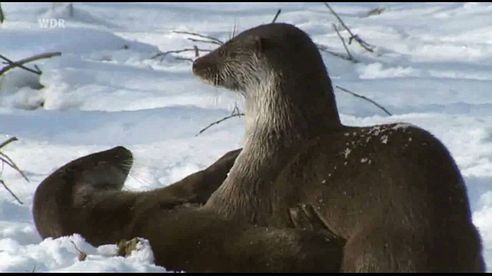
x,y
305,216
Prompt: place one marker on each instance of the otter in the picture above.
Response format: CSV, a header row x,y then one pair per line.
x,y
84,196
392,191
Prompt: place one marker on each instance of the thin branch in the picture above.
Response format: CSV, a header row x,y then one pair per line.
x,y
20,63
276,15
13,64
376,11
365,98
234,30
7,160
197,51
2,16
343,42
82,254
235,113
10,191
220,42
342,56
353,36
204,41
194,49
10,140
183,58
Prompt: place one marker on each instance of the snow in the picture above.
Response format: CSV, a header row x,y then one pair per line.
x,y
431,68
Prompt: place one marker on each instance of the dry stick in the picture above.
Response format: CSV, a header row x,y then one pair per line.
x,y
10,140
276,15
7,188
325,49
234,30
183,58
2,16
12,64
343,42
235,113
194,49
19,63
353,36
197,52
6,159
220,42
204,41
365,98
82,254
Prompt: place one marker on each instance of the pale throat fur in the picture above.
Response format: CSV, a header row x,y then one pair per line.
x,y
281,112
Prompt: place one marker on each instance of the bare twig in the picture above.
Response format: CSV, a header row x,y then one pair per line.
x,y
2,16
13,64
276,15
82,254
204,41
376,11
197,51
365,98
20,63
7,160
235,113
343,42
8,141
234,30
12,193
342,56
211,38
194,49
353,36
183,58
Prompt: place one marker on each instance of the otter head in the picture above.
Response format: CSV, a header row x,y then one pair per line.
x,y
279,70
246,62
106,170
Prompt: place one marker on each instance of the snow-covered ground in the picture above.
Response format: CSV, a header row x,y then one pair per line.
x,y
432,68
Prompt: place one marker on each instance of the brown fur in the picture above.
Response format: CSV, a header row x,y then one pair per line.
x,y
392,191
84,197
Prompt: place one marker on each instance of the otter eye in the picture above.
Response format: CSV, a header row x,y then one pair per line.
x,y
221,52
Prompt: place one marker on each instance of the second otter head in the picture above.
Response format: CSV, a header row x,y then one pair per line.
x,y
103,170
248,60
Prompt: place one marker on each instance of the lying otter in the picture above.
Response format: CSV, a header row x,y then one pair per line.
x,y
392,191
84,196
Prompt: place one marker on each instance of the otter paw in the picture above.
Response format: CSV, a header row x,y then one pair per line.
x,y
305,216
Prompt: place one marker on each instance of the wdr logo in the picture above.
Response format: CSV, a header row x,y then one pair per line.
x,y
51,23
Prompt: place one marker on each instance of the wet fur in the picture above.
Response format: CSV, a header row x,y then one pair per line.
x,y
404,210
84,196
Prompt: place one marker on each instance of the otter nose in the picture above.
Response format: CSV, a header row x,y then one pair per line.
x,y
199,64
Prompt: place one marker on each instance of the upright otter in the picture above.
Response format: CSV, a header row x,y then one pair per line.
x,y
84,196
392,191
